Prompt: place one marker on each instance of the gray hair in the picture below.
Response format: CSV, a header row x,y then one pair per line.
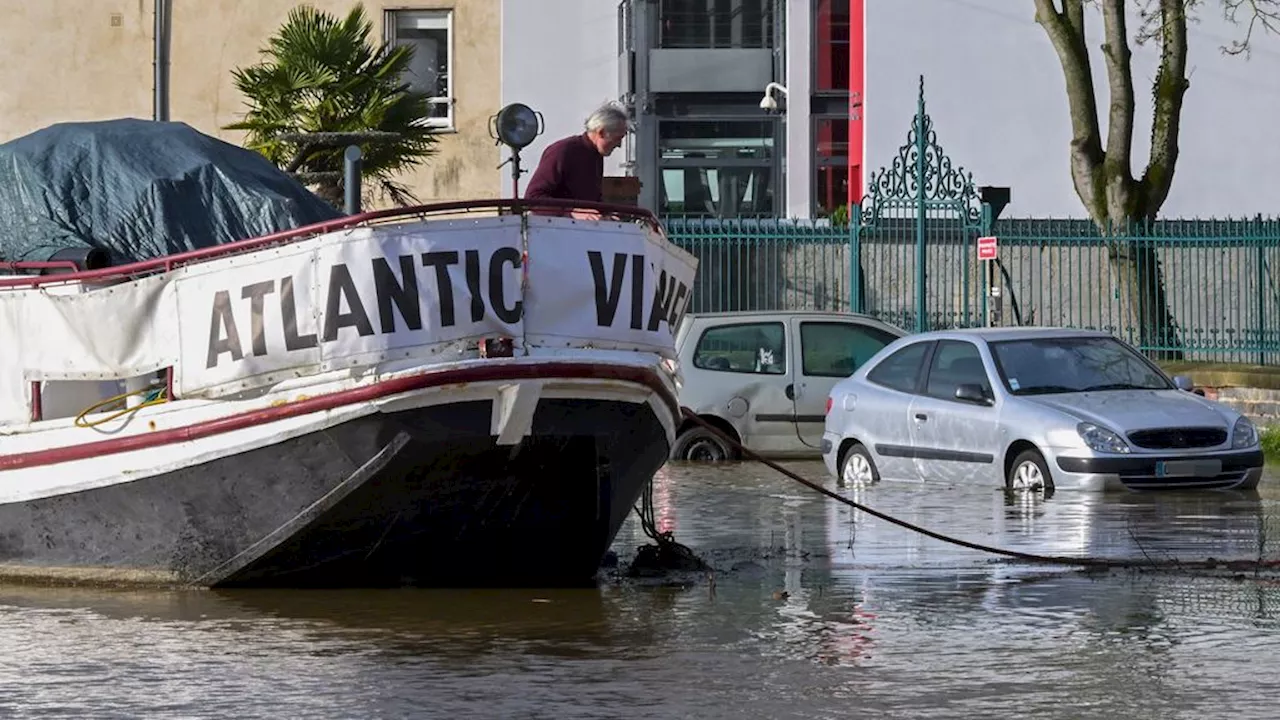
x,y
610,117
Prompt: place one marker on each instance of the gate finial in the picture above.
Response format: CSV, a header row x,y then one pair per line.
x,y
921,166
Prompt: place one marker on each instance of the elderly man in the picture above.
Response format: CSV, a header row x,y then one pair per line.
x,y
573,168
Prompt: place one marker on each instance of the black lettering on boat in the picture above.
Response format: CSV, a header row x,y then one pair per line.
x,y
289,311
664,292
402,293
678,307
473,285
497,288
637,292
607,292
441,261
222,320
341,287
256,294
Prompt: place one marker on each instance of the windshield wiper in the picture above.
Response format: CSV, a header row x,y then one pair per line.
x,y
1043,389
1117,386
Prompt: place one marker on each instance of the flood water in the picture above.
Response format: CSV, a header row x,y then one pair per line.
x,y
814,611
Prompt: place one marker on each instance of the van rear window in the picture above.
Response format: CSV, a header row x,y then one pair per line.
x,y
745,348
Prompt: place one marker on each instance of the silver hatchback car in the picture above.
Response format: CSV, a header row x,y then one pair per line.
x,y
1032,408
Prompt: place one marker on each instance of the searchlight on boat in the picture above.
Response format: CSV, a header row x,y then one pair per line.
x,y
515,126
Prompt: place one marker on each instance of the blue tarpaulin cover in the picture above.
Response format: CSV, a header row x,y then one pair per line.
x,y
140,189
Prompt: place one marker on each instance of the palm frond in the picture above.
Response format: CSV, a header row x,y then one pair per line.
x,y
321,74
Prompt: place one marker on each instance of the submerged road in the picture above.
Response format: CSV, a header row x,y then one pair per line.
x,y
815,610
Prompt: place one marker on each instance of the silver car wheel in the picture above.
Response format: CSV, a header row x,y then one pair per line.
x,y
858,470
1027,476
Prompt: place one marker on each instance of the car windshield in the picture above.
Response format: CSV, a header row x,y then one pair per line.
x,y
1073,364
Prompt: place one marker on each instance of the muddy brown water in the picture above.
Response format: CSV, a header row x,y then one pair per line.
x,y
814,611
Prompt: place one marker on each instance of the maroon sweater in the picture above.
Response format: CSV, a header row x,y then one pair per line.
x,y
570,169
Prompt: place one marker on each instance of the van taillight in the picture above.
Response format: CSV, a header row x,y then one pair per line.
x,y
828,404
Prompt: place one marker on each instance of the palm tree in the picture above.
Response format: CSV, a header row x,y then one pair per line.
x,y
322,77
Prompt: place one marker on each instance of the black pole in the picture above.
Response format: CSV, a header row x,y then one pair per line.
x,y
163,9
351,179
515,173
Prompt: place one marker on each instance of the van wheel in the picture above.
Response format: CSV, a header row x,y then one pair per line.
x,y
699,444
858,469
1029,472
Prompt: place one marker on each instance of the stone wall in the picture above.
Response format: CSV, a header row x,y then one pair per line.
x,y
1260,405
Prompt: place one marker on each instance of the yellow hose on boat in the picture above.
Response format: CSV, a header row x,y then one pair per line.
x,y
155,396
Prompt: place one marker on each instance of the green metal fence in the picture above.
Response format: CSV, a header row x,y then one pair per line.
x,y
1200,289
1191,289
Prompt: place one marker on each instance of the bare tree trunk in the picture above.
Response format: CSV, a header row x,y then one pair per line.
x,y
1137,268
1120,205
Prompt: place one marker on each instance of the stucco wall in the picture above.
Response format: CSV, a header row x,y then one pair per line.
x,y
564,82
71,60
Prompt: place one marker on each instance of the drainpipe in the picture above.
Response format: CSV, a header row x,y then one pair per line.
x,y
162,32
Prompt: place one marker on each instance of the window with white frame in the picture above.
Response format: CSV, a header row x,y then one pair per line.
x,y
430,33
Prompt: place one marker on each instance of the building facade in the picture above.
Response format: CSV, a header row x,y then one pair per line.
x,y
844,76
694,72
105,69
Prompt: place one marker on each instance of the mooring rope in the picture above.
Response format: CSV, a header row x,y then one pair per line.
x,y
1209,563
665,553
648,522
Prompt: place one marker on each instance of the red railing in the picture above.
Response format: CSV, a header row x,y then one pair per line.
x,y
30,265
169,262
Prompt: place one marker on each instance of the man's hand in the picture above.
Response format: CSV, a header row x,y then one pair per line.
x,y
586,214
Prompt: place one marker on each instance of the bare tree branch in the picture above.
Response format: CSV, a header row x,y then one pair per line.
x,y
1073,13
1118,167
1264,13
1066,32
1169,90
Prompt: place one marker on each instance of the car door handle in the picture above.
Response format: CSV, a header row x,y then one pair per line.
x,y
921,416
791,392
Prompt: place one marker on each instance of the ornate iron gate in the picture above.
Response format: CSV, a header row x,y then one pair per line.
x,y
914,259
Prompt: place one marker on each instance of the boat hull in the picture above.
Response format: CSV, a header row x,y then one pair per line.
x,y
426,495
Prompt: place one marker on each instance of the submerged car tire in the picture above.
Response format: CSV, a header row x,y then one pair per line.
x,y
1029,471
699,444
857,468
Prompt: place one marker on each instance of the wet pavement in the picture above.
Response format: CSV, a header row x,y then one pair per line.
x,y
814,610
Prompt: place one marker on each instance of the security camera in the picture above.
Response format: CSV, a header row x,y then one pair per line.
x,y
768,103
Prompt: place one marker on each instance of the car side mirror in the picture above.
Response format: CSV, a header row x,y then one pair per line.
x,y
970,392
1182,382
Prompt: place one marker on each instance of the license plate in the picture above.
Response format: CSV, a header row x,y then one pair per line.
x,y
1188,468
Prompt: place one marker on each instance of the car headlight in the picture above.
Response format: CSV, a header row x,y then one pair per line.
x,y
1244,434
1101,439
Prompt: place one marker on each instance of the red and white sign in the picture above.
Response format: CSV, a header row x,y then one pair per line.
x,y
987,248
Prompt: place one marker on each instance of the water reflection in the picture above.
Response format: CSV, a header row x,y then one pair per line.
x,y
814,610
1158,526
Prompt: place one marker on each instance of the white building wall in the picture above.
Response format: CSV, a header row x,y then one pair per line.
x,y
559,57
995,92
799,64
